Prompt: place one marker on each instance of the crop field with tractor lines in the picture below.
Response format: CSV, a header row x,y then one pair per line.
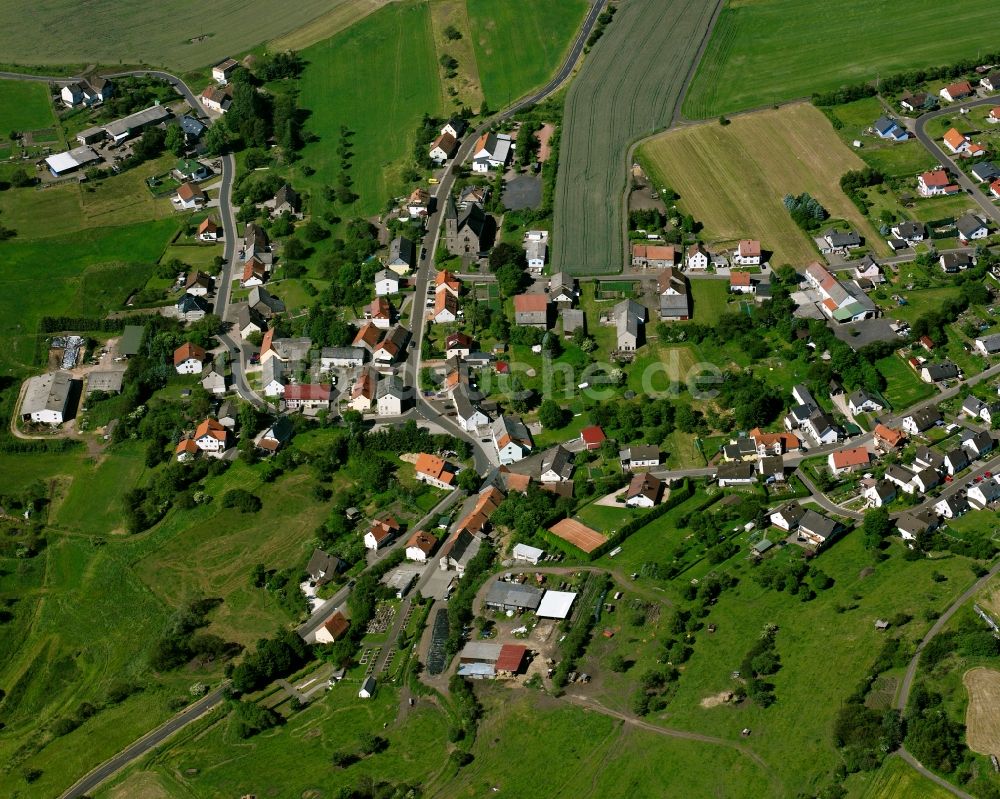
x,y
613,101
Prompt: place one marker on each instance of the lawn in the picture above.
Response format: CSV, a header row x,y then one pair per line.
x,y
709,300
520,43
732,178
63,264
858,42
611,102
606,519
903,386
659,368
378,78
24,105
175,34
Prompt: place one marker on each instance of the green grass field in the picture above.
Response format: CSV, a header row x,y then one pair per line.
x,y
858,41
903,386
709,300
732,178
378,78
64,264
612,101
24,105
520,43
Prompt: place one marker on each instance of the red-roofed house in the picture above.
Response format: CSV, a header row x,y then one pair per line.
x,y
443,148
364,389
254,273
658,256
957,91
190,195
774,443
308,396
368,336
955,141
382,532
740,282
189,359
419,546
747,253
888,438
211,437
531,310
995,188
435,471
994,116
332,629
447,280
932,184
379,312
186,450
445,307
208,230
592,437
847,460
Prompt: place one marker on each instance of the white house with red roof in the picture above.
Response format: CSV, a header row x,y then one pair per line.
x,y
212,438
935,183
957,91
741,283
435,471
189,359
382,532
307,396
747,253
847,460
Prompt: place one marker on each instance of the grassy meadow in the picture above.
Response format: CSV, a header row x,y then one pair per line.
x,y
790,58
520,43
378,78
24,105
732,178
91,605
82,273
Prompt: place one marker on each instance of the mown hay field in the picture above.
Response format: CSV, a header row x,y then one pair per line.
x,y
627,87
732,178
767,51
982,718
176,34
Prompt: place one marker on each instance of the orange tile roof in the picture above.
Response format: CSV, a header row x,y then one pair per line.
x,y
212,428
336,625
844,458
936,178
186,351
434,467
368,334
188,191
529,303
207,226
889,435
425,542
954,139
187,446
739,278
749,248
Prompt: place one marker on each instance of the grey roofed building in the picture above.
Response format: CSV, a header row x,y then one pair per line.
x,y
133,123
256,243
736,471
247,316
48,394
955,261
675,306
910,525
629,317
191,303
927,478
272,370
401,252
926,457
392,386
558,460
941,371
261,300
911,230
286,199
924,418
897,474
969,225
291,349
820,526
108,382
345,355
771,467
978,443
513,596
885,490
985,172
642,452
323,566
792,513
839,239
192,126
990,343
572,320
